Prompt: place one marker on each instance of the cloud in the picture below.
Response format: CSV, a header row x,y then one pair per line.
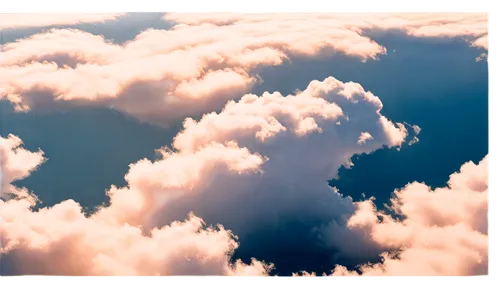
x,y
51,19
365,136
481,57
287,147
201,63
442,231
253,151
15,163
270,153
62,240
414,24
416,131
273,153
481,42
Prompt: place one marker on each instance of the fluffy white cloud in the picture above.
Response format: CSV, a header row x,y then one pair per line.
x,y
53,19
289,146
365,136
430,232
205,60
275,154
63,240
15,163
271,153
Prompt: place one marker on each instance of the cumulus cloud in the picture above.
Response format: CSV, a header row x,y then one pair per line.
x,y
252,152
53,19
270,153
15,163
365,136
273,153
194,68
297,147
63,240
425,231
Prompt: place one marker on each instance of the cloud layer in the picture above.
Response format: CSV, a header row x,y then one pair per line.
x,y
239,155
242,160
53,19
203,61
248,157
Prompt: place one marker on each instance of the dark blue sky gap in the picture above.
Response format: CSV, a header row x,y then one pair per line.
x,y
491,101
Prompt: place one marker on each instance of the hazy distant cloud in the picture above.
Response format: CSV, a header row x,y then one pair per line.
x,y
198,65
440,232
27,20
481,57
414,24
79,46
416,129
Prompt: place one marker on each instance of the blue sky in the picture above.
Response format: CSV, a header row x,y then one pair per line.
x,y
433,82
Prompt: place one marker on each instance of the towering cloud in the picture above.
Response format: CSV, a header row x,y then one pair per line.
x,y
258,160
271,153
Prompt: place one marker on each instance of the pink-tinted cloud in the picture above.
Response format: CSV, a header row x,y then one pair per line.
x,y
365,136
481,42
259,150
15,163
440,232
278,142
62,240
53,19
194,68
74,44
414,24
